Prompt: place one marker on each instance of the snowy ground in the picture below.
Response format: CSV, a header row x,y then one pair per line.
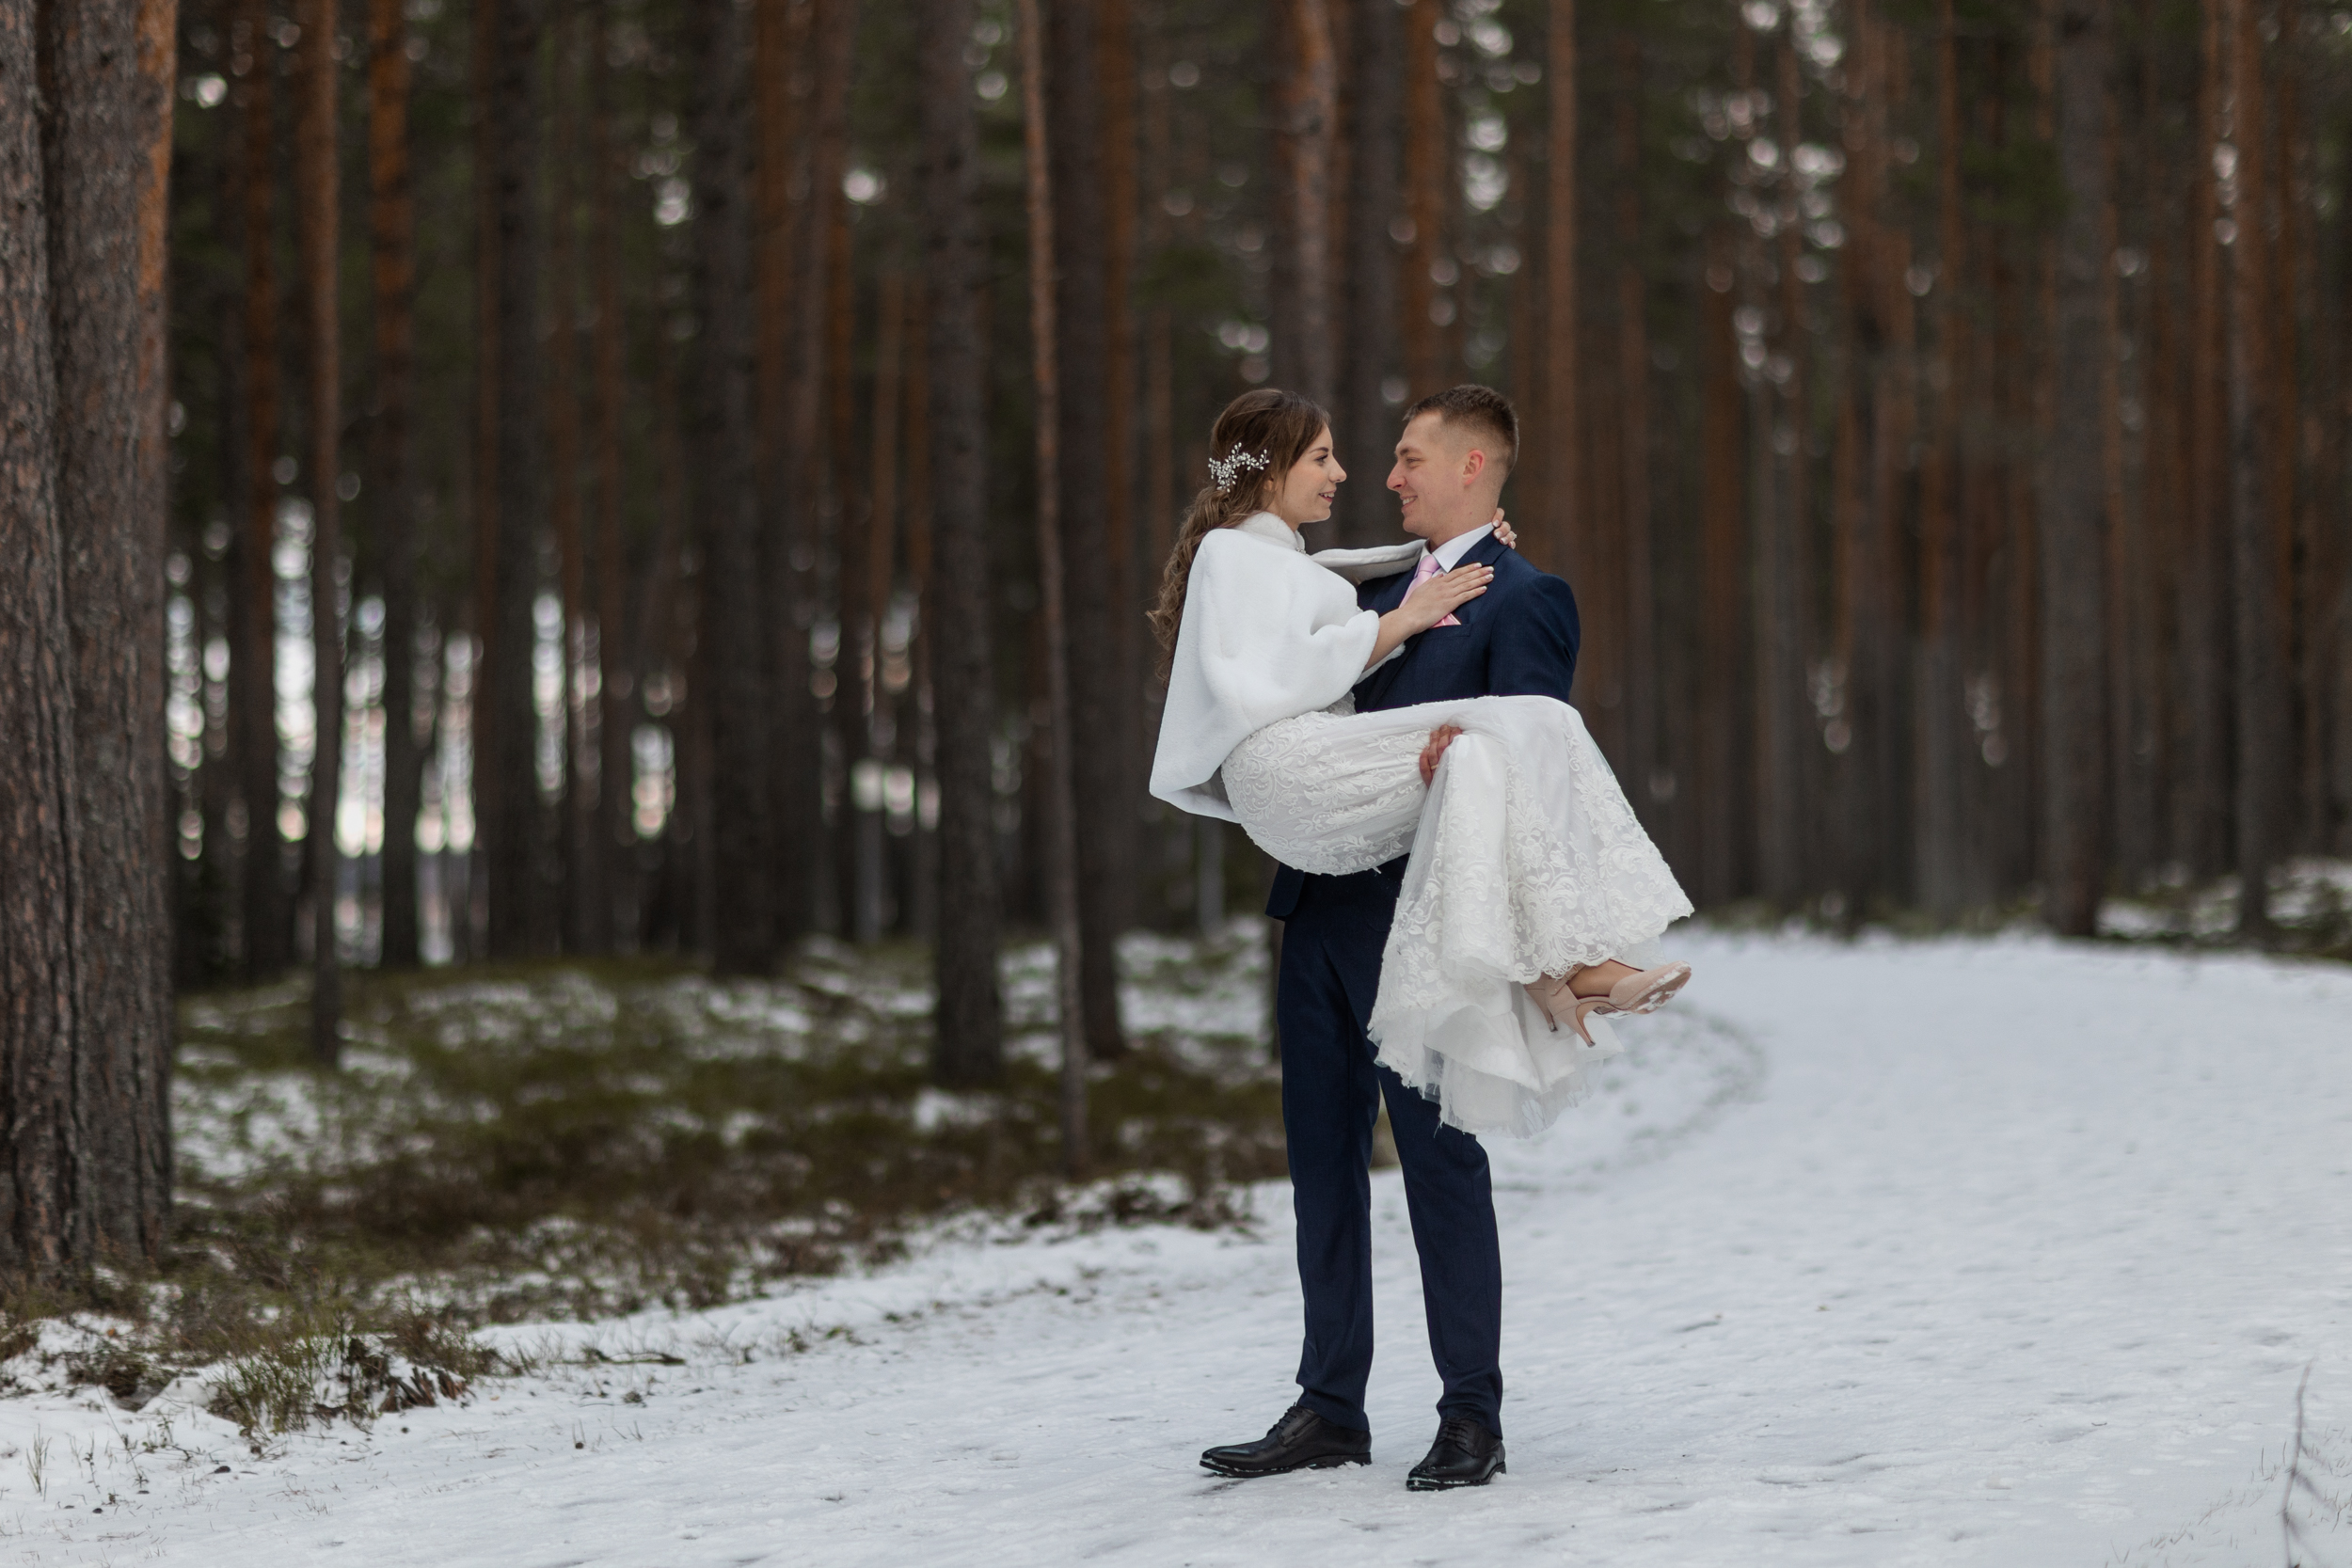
x,y
2005,1253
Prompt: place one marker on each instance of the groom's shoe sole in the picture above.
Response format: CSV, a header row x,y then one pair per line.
x,y
1424,1484
1321,1461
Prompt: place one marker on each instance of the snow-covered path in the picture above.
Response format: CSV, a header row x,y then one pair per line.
x,y
2006,1253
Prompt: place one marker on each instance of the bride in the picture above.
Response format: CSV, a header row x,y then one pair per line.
x,y
1532,897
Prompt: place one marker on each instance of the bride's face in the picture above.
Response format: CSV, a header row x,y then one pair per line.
x,y
1305,493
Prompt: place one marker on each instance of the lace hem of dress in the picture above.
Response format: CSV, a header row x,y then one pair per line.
x,y
1493,899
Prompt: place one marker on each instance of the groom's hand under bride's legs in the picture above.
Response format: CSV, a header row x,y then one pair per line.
x,y
1433,753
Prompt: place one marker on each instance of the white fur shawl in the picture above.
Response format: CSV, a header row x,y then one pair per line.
x,y
1269,632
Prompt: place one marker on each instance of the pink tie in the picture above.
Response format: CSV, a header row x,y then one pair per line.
x,y
1427,569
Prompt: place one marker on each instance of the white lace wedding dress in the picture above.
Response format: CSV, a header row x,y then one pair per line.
x,y
1526,858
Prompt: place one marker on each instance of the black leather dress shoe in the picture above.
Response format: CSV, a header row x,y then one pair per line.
x,y
1465,1455
1301,1440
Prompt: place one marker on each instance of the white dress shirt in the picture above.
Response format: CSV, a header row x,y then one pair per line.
x,y
1450,554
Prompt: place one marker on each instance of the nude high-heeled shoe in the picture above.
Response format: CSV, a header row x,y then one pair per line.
x,y
1643,992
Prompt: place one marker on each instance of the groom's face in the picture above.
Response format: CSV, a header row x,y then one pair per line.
x,y
1437,478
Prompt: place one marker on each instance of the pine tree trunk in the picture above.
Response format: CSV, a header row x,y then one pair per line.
x,y
1556,545
108,71
393,226
1115,50
1062,869
1720,574
1635,588
866,605
48,1182
586,914
1781,628
1306,115
2260,727
919,879
822,131
620,675
735,613
510,830
1369,347
2335,634
2200,797
2131,826
319,233
1938,755
253,667
846,530
1102,708
2301,821
1428,164
2164,468
2073,511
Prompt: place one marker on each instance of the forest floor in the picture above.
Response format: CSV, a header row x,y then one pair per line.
x,y
1998,1250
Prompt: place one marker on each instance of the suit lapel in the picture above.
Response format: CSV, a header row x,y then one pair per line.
x,y
1485,554
1390,593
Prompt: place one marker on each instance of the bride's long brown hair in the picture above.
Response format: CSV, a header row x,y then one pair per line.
x,y
1269,422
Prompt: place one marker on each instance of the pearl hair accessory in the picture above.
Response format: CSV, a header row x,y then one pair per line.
x,y
1234,466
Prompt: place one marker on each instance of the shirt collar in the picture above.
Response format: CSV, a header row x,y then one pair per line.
x,y
1450,554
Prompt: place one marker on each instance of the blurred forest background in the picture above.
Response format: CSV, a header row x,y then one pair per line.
x,y
616,424
1939,409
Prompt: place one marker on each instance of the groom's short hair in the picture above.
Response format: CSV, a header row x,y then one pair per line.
x,y
1479,409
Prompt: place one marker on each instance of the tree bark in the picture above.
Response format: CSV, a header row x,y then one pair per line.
x,y
1428,160
1556,547
1938,715
2260,731
319,234
586,915
1368,348
1124,618
2200,795
1062,869
1635,588
2074,510
1720,572
1102,708
510,830
798,783
107,71
253,667
488,369
48,1185
866,605
968,1040
1782,628
1308,114
847,526
393,227
620,675
735,613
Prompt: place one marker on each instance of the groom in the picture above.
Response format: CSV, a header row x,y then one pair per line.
x,y
1518,638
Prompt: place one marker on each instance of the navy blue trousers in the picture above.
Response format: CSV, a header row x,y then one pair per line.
x,y
1331,1094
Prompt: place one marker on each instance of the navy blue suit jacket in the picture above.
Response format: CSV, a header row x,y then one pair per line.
x,y
1517,639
